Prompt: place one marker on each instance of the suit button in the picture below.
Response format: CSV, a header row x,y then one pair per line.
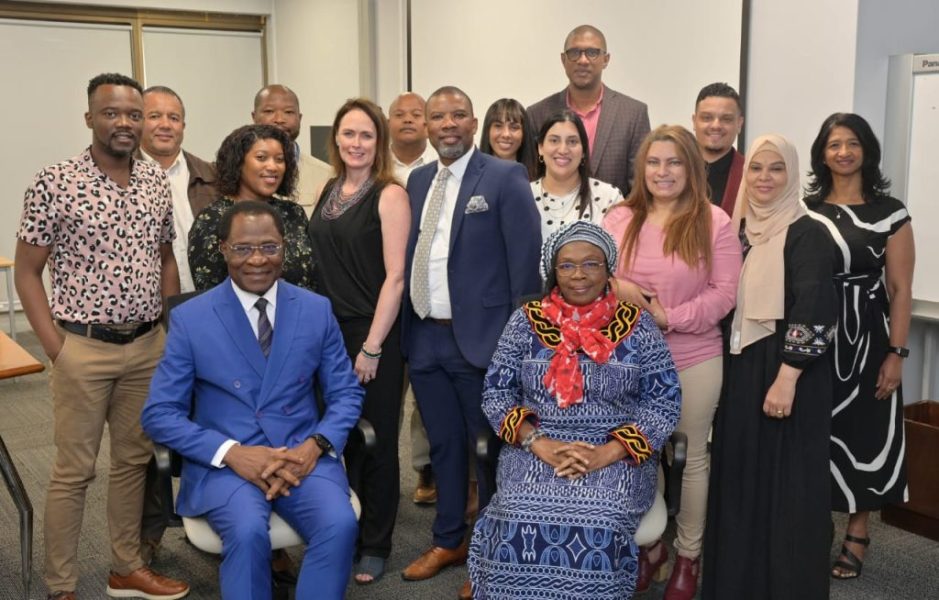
x,y
237,384
258,414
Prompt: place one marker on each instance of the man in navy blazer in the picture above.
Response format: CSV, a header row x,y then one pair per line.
x,y
472,254
234,394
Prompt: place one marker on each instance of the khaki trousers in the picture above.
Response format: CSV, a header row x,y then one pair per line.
x,y
94,383
700,392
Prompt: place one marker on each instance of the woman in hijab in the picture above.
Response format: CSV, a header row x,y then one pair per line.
x,y
583,392
768,527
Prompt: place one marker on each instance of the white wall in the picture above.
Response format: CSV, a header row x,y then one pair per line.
x,y
802,67
662,53
315,51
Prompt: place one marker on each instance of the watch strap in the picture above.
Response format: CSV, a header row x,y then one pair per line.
x,y
899,351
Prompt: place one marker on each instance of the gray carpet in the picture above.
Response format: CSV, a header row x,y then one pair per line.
x,y
899,565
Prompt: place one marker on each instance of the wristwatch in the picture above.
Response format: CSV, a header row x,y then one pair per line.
x,y
899,351
322,442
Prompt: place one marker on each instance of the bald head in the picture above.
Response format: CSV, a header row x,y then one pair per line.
x,y
584,30
279,106
406,123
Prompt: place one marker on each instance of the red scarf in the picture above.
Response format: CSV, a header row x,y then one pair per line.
x,y
580,330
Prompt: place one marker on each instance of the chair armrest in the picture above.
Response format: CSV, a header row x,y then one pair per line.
x,y
163,460
488,446
679,442
366,434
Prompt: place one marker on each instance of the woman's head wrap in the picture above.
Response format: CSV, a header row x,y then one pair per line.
x,y
578,231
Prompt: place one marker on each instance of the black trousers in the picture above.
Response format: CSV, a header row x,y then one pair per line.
x,y
375,477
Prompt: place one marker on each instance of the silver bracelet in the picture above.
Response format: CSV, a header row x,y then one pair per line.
x,y
529,439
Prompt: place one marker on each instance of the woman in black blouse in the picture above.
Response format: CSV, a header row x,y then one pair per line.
x,y
359,231
255,162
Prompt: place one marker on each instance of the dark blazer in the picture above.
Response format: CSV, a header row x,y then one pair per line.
x,y
624,123
213,357
733,184
201,189
494,252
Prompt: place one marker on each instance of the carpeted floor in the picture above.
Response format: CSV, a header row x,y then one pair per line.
x,y
899,565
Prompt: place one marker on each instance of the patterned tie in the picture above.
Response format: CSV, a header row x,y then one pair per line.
x,y
265,330
420,288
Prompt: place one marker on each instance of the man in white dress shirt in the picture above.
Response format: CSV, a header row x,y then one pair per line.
x,y
408,130
192,180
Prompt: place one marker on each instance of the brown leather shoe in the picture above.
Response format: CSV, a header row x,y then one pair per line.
x,y
433,561
466,592
61,596
144,583
426,490
683,584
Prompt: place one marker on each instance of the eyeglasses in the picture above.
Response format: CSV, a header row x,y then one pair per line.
x,y
592,54
588,267
247,250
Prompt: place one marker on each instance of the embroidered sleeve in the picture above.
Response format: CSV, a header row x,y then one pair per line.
x,y
636,443
808,340
811,311
512,423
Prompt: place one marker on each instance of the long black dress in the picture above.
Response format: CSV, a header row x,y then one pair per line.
x,y
868,469
350,271
768,524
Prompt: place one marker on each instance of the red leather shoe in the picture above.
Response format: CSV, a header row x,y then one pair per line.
x,y
649,571
683,584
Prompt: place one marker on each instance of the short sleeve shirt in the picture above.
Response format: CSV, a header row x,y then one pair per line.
x,y
104,239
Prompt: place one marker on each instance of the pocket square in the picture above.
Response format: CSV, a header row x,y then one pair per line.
x,y
476,204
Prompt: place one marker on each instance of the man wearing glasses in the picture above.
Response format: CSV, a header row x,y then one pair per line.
x,y
234,395
616,124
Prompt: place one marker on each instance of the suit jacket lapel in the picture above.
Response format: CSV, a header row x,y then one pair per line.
x,y
285,326
471,176
604,129
233,317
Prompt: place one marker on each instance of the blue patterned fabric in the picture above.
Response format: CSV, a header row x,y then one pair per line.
x,y
547,537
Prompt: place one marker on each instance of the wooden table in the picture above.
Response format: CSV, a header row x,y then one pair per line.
x,y
15,361
7,265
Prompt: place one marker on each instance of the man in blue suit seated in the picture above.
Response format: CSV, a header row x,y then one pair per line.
x,y
234,394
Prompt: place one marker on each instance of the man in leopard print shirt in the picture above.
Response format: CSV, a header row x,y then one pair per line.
x,y
103,222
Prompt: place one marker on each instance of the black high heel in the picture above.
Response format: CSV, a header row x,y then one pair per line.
x,y
850,565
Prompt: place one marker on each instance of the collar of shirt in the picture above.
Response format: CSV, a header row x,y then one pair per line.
x,y
247,300
591,110
91,167
174,168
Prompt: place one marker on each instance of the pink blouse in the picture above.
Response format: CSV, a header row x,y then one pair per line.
x,y
694,300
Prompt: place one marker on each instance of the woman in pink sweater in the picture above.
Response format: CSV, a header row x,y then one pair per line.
x,y
680,261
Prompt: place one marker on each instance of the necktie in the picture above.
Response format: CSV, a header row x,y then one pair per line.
x,y
420,283
265,330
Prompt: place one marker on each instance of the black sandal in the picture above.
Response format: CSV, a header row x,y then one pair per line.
x,y
850,565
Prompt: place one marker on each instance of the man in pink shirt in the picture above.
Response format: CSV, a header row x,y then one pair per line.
x,y
616,124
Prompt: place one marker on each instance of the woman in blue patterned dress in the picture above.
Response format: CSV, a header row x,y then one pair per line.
x,y
583,391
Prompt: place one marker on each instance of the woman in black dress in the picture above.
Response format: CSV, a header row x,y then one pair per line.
x,y
873,246
767,533
255,162
359,230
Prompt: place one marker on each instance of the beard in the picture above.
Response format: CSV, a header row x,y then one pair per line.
x,y
452,151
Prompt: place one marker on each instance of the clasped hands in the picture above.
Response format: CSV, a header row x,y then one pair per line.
x,y
274,470
573,460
